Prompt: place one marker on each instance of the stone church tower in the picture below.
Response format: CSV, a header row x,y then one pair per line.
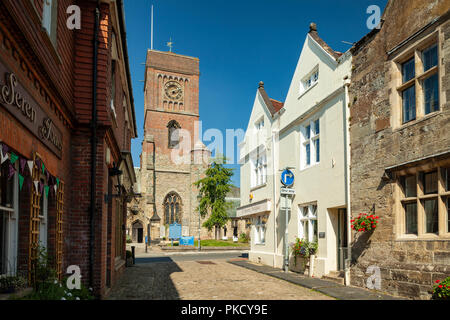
x,y
173,157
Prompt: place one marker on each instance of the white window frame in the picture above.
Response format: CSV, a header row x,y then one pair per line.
x,y
49,18
309,81
259,169
311,141
11,217
308,219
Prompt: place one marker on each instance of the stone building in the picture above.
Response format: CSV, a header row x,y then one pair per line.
x,y
400,147
66,169
173,157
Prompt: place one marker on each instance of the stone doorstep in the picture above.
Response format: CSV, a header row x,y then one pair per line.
x,y
329,288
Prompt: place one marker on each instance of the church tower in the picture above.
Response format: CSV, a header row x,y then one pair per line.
x,y
170,146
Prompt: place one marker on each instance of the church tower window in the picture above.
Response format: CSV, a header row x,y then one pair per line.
x,y
174,134
172,209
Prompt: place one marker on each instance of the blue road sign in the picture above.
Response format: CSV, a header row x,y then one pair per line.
x,y
187,241
175,231
287,178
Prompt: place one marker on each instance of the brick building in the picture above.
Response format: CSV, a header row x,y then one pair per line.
x,y
400,147
60,88
173,156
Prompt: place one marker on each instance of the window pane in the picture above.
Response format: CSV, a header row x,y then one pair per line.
x,y
408,70
409,186
314,228
306,230
308,132
308,154
409,104
317,146
314,211
430,87
6,186
431,216
448,214
2,242
430,57
316,127
47,16
411,218
430,182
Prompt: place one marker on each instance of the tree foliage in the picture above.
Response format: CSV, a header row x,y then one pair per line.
x,y
214,187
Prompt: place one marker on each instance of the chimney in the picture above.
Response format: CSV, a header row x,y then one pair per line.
x,y
312,27
261,85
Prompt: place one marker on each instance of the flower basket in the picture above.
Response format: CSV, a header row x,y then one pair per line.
x,y
303,255
441,290
364,222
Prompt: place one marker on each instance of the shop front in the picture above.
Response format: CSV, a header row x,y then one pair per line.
x,y
32,175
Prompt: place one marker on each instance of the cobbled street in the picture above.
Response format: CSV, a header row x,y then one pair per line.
x,y
204,276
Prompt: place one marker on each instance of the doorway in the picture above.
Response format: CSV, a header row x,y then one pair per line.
x,y
138,232
342,253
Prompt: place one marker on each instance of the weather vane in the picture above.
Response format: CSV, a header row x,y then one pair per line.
x,y
170,44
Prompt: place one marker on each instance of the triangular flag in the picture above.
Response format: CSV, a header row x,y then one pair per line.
x,y
41,188
43,168
4,158
30,166
21,179
11,172
55,187
47,189
22,163
13,157
36,186
57,182
5,150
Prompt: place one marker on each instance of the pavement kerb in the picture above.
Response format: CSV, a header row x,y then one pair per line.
x,y
326,287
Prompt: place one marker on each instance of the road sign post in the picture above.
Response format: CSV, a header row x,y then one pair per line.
x,y
287,179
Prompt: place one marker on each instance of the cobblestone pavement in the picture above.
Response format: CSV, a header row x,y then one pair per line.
x,y
204,280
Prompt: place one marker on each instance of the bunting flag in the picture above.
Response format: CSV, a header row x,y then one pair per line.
x,y
22,163
36,186
13,157
57,182
5,150
4,157
30,166
43,167
38,163
47,175
11,172
21,179
47,189
55,187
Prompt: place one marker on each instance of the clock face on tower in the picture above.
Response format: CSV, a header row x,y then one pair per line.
x,y
173,90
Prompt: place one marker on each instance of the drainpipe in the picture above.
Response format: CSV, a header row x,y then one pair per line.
x,y
275,251
93,148
347,181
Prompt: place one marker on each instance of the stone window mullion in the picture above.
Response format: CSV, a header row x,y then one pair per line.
x,y
420,208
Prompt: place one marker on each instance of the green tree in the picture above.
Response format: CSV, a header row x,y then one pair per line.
x,y
213,190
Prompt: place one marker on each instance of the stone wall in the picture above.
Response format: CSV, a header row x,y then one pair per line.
x,y
408,268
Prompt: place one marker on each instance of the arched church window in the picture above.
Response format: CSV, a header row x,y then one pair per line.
x,y
172,209
174,134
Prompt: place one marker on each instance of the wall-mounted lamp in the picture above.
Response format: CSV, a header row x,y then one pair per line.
x,y
115,172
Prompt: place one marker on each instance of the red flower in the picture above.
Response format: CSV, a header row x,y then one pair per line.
x,y
440,286
437,281
363,223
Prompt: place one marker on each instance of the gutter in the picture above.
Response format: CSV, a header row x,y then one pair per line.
x,y
94,125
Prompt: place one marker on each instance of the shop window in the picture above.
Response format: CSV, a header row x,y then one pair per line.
x,y
8,220
260,231
43,223
308,223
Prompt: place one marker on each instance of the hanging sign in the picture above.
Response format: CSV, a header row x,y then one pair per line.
x,y
15,98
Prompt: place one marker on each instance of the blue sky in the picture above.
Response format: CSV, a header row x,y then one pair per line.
x,y
239,43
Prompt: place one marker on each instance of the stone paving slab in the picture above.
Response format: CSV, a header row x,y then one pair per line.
x,y
329,288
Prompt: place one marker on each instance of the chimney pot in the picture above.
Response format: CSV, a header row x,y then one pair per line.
x,y
261,84
312,27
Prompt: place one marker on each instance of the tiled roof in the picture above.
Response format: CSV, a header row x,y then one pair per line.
x,y
315,35
273,105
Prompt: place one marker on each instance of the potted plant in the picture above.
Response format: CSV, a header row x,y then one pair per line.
x,y
305,251
441,290
12,284
364,222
